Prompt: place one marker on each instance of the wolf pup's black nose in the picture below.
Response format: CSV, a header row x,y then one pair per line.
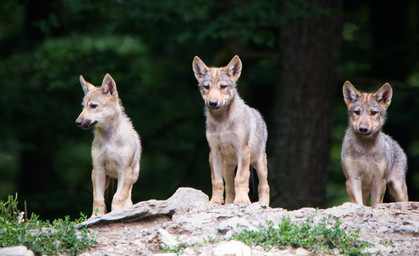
x,y
78,122
363,129
213,103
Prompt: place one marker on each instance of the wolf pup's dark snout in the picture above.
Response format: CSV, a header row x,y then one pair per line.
x,y
213,103
363,129
78,122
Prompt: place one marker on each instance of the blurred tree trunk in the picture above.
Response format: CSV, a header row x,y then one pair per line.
x,y
303,114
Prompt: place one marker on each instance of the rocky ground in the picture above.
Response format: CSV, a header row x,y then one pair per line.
x,y
188,217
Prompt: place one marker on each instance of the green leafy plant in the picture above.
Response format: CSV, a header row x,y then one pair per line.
x,y
42,237
323,236
178,249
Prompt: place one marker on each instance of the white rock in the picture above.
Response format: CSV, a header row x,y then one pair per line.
x,y
187,198
302,252
231,248
167,238
16,250
189,251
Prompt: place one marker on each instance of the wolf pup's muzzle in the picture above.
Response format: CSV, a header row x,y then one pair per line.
x,y
86,124
213,104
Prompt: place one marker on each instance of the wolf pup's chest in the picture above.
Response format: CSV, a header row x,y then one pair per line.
x,y
226,139
367,160
108,156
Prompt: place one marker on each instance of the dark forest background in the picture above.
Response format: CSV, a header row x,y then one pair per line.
x,y
296,55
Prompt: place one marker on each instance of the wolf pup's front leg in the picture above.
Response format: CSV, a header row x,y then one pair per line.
x,y
99,187
241,182
216,165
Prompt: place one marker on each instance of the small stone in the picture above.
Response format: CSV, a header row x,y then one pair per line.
x,y
302,252
167,238
189,251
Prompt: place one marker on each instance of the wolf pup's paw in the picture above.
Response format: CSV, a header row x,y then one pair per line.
x,y
217,200
242,200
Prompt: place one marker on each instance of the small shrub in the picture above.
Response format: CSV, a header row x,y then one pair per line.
x,y
42,237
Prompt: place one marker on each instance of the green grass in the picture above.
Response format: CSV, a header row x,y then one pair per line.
x,y
42,237
324,236
321,237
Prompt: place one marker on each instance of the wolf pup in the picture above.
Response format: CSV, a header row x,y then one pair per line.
x,y
235,132
371,159
116,147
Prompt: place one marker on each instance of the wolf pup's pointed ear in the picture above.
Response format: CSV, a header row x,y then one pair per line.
x,y
384,95
234,68
86,86
350,94
199,69
108,85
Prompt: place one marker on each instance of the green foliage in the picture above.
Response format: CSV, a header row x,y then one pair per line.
x,y
323,236
387,242
178,249
42,237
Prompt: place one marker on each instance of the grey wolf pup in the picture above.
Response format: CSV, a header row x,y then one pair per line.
x,y
235,132
371,159
116,147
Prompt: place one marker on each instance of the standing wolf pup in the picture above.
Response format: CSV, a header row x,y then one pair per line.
x,y
235,132
116,147
371,159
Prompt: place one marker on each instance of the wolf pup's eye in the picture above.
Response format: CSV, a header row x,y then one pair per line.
x,y
223,86
357,112
373,112
93,105
206,86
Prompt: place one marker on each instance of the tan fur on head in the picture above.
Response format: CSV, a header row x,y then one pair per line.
x,y
86,86
95,100
199,68
384,95
367,111
109,85
234,68
350,94
217,84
